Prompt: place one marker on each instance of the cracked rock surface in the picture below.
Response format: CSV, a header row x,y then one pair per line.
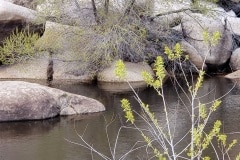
x,y
30,101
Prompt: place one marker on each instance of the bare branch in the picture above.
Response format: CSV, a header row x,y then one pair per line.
x,y
128,9
95,12
106,6
171,12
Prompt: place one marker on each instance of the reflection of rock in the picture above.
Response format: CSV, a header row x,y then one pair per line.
x,y
74,118
232,101
29,101
27,128
120,87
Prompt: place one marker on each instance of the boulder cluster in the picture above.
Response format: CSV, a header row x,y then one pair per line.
x,y
222,18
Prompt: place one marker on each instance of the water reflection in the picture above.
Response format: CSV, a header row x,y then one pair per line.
x,y
46,139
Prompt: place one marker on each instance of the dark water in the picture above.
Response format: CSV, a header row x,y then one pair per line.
x,y
50,139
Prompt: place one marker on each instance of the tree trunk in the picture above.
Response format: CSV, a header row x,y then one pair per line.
x,y
106,5
95,12
128,9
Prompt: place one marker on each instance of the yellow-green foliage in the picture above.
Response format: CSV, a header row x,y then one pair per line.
x,y
19,46
127,110
174,54
200,139
120,69
215,105
238,156
211,39
202,6
199,83
155,150
160,74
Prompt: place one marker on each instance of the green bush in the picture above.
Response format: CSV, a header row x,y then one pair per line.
x,y
17,47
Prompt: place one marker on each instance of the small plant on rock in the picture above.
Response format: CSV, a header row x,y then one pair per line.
x,y
18,47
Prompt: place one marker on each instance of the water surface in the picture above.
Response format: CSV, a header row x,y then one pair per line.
x,y
49,139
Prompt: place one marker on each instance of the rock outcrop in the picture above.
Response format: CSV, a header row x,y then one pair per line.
x,y
108,80
14,16
235,60
62,41
194,57
25,3
193,27
134,71
233,75
30,101
67,12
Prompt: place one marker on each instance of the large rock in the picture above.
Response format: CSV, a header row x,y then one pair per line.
x,y
193,26
194,57
30,101
67,11
107,79
60,39
36,68
233,24
25,3
13,16
233,75
134,73
235,60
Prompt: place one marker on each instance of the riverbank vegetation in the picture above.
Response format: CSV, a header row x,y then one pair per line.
x,y
159,136
130,33
203,139
108,32
18,47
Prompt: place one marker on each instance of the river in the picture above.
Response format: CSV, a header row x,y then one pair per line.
x,y
58,138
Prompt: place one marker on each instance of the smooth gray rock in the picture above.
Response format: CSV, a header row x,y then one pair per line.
x,y
235,60
194,56
134,73
107,80
30,101
36,68
67,12
14,16
233,24
193,27
25,3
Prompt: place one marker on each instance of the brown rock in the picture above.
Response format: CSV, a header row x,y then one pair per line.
x,y
234,75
